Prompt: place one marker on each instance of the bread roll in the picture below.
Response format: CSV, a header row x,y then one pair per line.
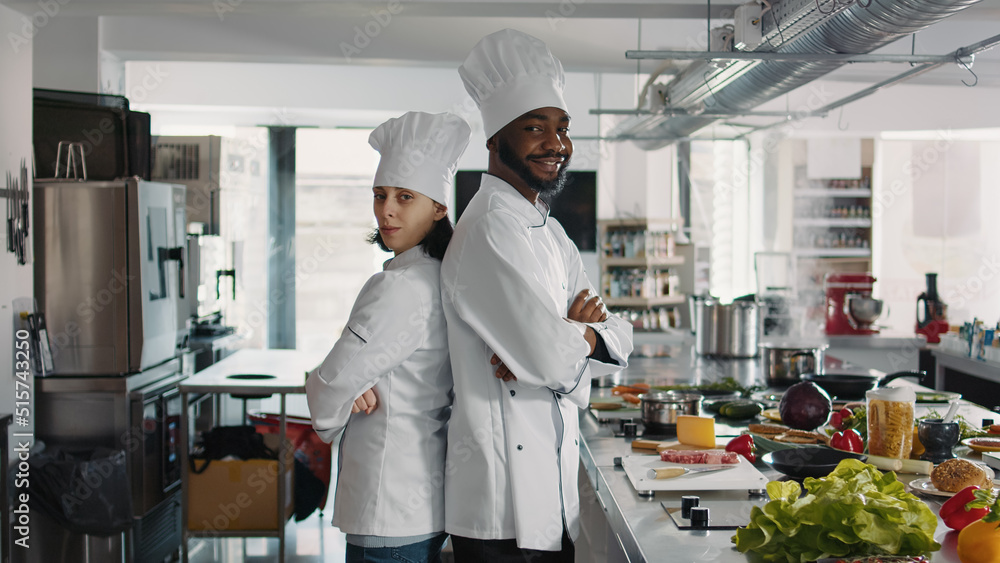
x,y
956,474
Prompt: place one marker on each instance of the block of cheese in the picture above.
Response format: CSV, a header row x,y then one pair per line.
x,y
696,430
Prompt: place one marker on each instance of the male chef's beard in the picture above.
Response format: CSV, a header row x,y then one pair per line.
x,y
548,188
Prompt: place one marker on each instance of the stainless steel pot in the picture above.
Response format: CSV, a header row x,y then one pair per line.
x,y
695,303
728,331
662,408
738,329
783,363
703,322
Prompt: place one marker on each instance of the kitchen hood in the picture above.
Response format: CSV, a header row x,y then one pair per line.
x,y
706,90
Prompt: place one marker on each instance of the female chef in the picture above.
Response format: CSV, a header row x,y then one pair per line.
x,y
387,381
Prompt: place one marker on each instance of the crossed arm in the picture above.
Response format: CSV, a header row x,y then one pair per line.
x,y
586,308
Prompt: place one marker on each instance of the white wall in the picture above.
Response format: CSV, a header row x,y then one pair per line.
x,y
15,144
67,53
904,107
935,208
642,181
252,94
633,182
346,95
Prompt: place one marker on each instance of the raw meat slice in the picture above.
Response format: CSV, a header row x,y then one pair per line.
x,y
700,456
721,456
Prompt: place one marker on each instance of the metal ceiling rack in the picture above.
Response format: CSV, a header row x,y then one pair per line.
x,y
713,113
921,64
794,57
957,56
796,43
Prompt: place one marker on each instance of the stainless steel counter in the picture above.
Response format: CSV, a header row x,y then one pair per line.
x,y
877,341
888,352
643,529
949,359
677,363
896,340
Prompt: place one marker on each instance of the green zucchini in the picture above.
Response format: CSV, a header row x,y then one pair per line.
x,y
740,409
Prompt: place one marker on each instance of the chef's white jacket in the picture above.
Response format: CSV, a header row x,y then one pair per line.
x,y
508,279
390,478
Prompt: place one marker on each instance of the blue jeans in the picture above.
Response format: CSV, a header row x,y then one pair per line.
x,y
427,551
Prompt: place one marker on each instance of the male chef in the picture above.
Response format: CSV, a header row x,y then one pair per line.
x,y
526,329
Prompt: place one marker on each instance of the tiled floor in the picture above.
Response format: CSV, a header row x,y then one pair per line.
x,y
313,540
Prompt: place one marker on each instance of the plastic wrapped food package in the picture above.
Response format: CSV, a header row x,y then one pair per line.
x,y
890,421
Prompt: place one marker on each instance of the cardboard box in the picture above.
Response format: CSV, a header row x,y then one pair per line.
x,y
238,495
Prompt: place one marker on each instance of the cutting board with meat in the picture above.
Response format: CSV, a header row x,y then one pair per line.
x,y
742,476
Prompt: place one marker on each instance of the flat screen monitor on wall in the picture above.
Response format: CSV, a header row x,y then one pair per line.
x,y
575,207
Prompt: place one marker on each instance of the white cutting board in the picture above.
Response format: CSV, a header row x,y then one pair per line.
x,y
743,476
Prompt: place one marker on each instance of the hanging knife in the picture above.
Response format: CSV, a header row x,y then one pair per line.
x,y
16,228
11,205
27,193
24,213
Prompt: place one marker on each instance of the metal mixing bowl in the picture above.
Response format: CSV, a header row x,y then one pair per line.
x,y
864,309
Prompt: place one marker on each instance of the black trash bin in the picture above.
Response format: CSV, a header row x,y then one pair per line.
x,y
86,493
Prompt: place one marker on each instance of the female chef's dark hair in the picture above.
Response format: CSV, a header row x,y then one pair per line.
x,y
434,244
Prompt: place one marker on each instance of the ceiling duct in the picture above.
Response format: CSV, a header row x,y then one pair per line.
x,y
743,85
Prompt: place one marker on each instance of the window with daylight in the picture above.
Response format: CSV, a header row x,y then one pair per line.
x,y
333,217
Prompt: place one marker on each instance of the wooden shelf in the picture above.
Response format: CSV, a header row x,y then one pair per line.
x,y
637,223
647,261
833,253
656,242
831,222
833,192
645,302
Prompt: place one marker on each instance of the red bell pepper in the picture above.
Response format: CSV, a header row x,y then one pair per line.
x,y
836,420
743,445
839,419
837,441
849,440
954,512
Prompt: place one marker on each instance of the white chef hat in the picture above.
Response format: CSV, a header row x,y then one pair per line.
x,y
509,73
420,152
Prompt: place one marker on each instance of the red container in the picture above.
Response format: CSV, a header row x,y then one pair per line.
x,y
309,449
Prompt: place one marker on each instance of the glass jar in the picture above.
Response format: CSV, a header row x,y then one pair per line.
x,y
890,421
629,244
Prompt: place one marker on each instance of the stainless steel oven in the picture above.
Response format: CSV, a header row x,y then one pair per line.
x,y
109,273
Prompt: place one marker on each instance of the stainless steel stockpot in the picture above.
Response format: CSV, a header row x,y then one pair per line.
x,y
728,331
662,408
703,313
784,363
738,329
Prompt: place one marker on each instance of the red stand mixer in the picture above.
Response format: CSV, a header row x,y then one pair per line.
x,y
850,308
